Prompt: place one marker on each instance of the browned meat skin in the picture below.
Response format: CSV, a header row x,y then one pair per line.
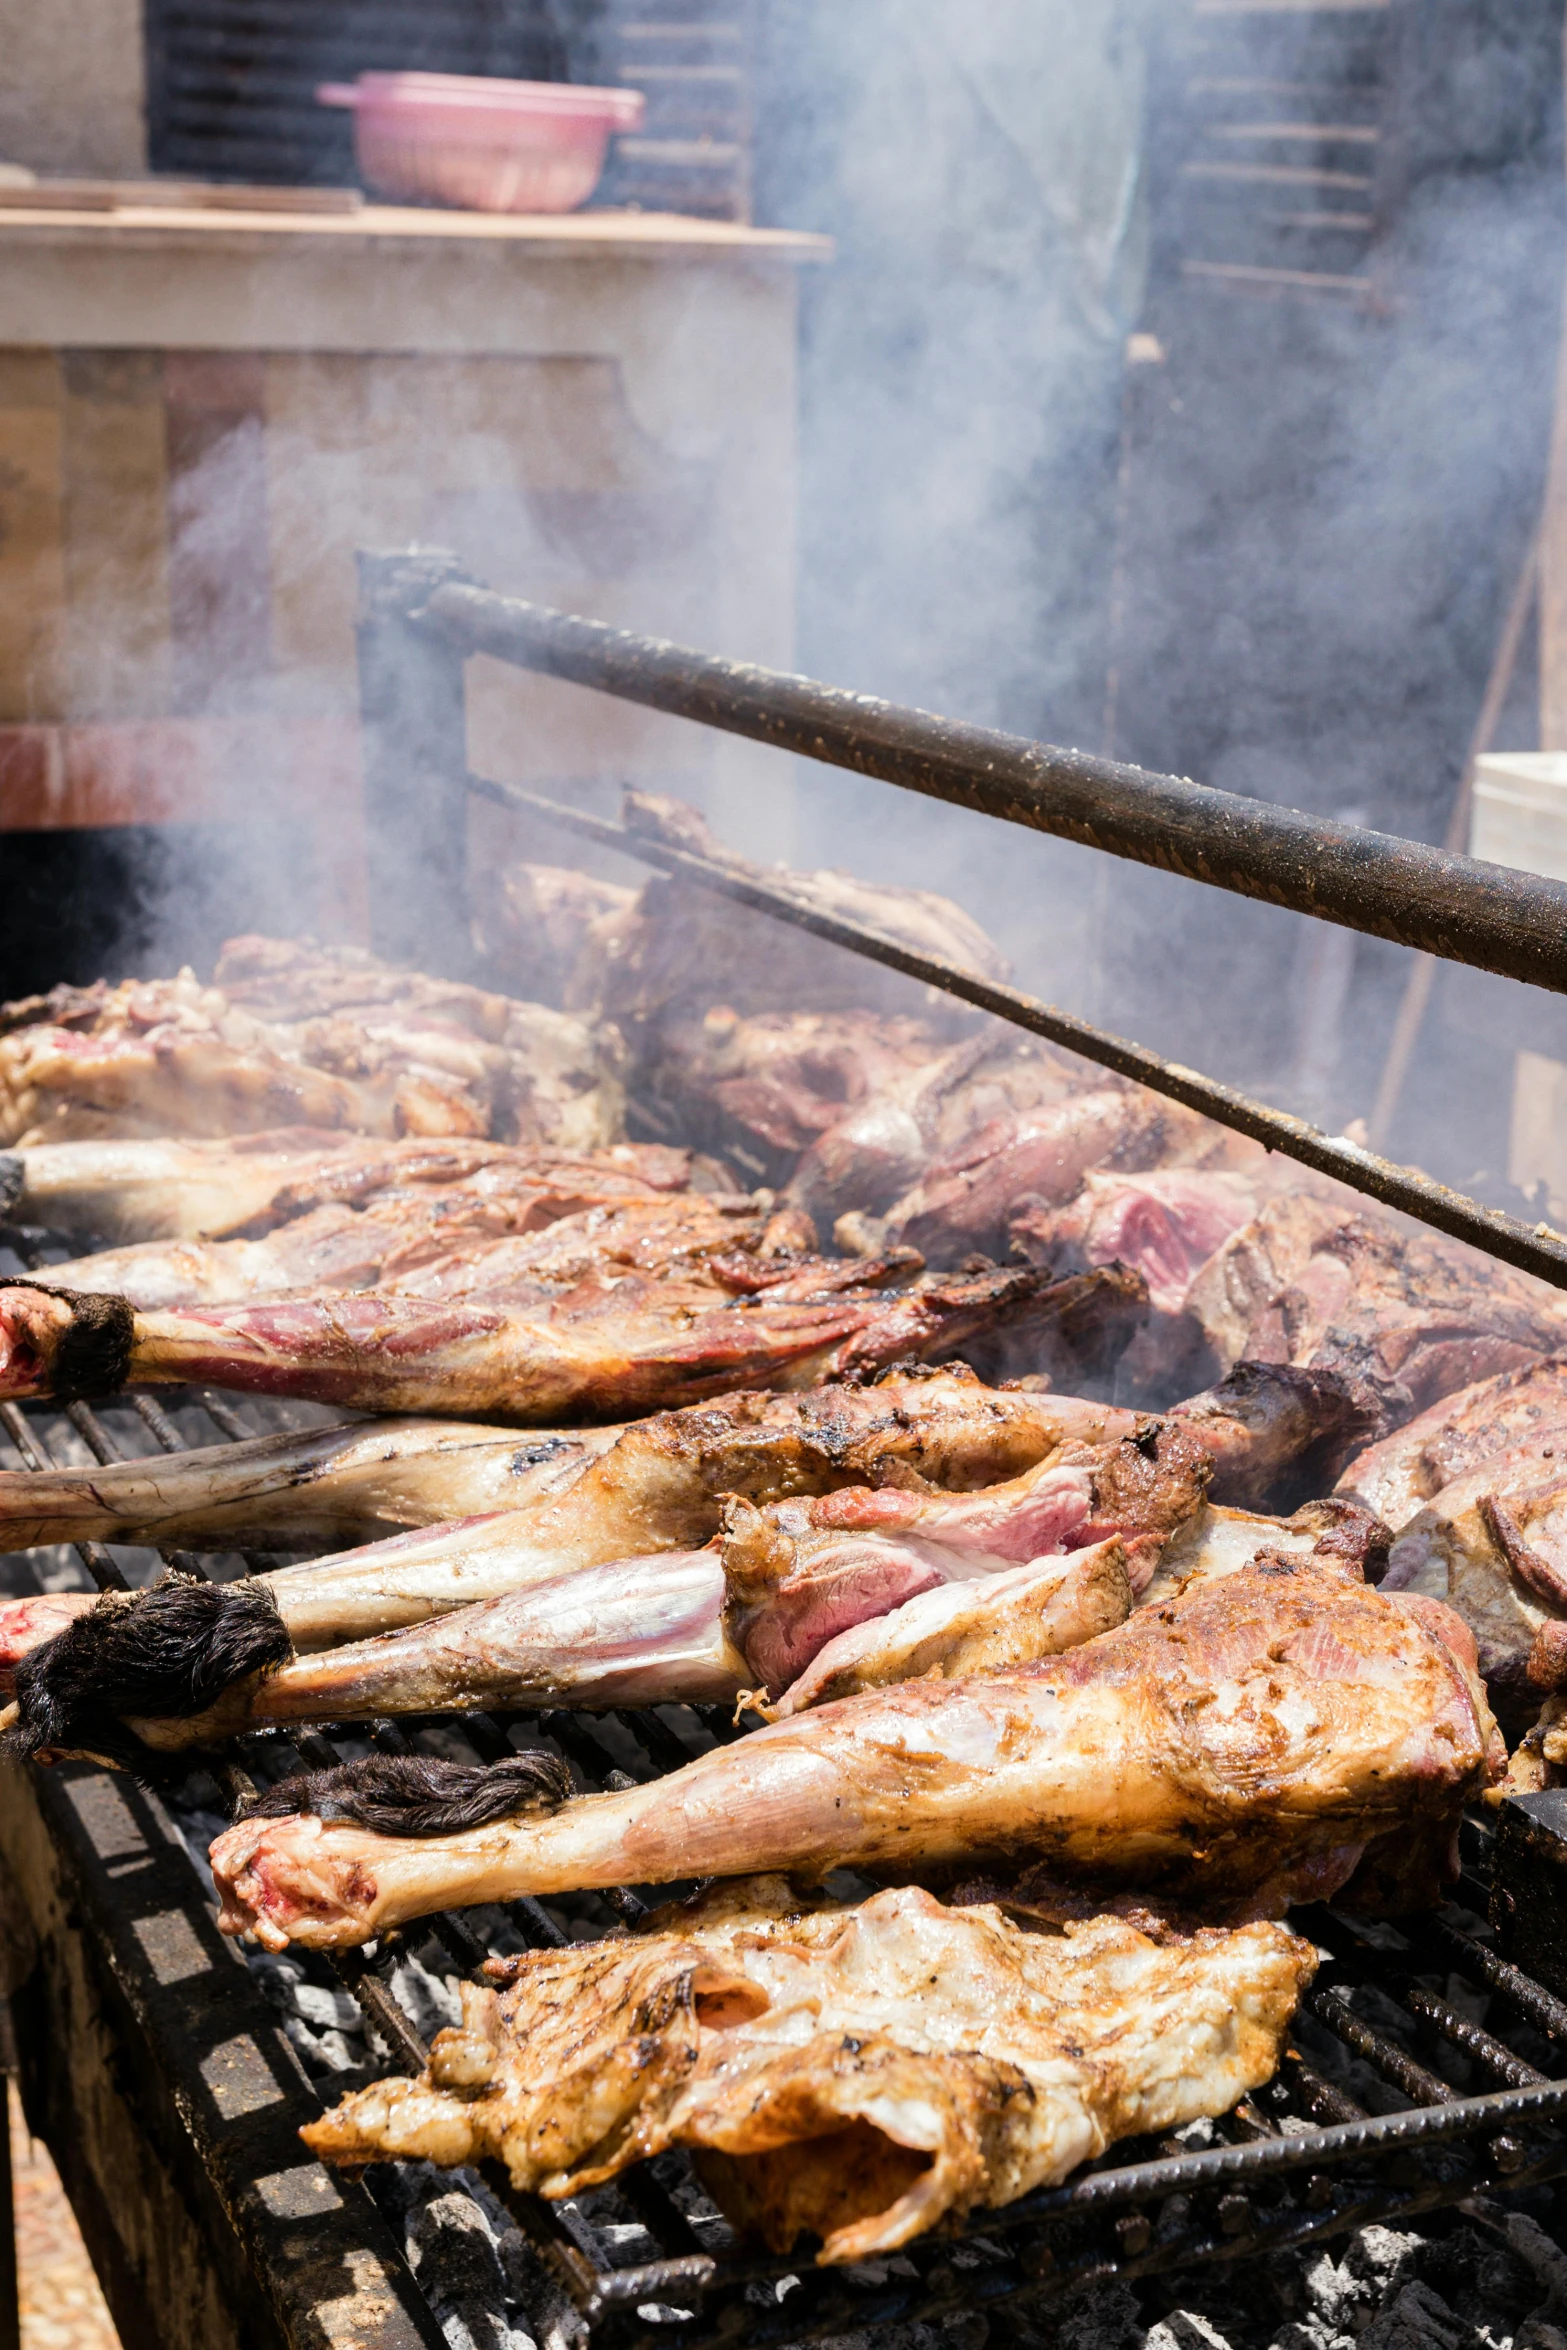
x,y
1493,1545
601,1351
310,1036
1403,1313
1275,1433
860,2074
430,1243
1511,1419
800,1572
191,1190
972,1198
1243,1744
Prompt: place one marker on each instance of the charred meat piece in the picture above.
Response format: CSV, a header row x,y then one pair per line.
x,y
1405,1315
1276,1433
602,1350
398,1233
857,2074
1003,1176
191,1190
292,1035
1244,1743
1511,1419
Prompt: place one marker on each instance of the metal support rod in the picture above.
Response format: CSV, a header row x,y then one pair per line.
x,y
415,750
1533,1248
1499,920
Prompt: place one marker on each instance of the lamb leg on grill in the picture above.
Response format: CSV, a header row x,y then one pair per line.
x,y
299,1490
1245,1743
193,1190
601,1351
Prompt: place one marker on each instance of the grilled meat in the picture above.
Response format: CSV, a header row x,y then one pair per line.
x,y
1406,1315
430,1243
672,945
540,1354
1010,1616
768,1087
1493,1545
299,1490
860,2074
1337,1536
1005,1174
208,1191
801,1572
1513,1419
1275,1433
1245,1743
294,1035
600,1627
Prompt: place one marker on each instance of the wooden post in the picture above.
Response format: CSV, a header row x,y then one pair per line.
x,y
411,705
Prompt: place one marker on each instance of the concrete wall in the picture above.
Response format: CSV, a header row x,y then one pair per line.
x,y
73,86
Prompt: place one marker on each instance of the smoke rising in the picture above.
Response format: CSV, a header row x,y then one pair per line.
x,y
1272,551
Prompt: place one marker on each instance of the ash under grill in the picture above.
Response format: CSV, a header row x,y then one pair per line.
x,y
1421,2075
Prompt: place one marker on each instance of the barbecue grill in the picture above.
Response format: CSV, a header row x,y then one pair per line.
x,y
150,2057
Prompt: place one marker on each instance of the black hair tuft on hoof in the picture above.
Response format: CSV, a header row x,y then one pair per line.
x,y
162,1654
92,1355
416,1795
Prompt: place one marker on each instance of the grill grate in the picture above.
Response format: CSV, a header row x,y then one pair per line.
x,y
1422,2072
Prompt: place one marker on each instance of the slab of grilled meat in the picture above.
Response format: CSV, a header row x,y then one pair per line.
x,y
1403,1313
1011,1171
1244,1744
1513,1419
428,1240
290,1034
680,945
858,2074
609,1347
1493,1545
191,1190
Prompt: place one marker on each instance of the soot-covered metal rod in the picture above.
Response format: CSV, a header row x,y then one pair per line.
x,y
1534,1248
1492,917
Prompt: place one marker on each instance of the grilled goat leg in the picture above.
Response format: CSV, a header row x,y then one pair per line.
x,y
298,1490
1246,1743
600,1352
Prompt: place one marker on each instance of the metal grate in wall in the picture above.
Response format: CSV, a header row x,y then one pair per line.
x,y
231,83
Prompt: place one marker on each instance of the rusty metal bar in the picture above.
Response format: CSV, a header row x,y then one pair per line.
x,y
1534,1248
1494,918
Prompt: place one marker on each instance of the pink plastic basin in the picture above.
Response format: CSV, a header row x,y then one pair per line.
x,y
486,145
